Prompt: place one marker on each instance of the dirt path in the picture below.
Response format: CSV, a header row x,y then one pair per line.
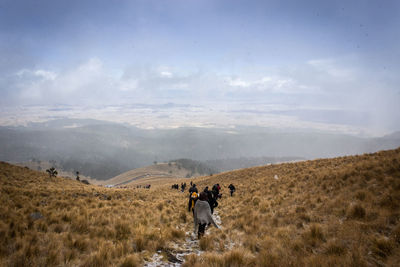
x,y
175,256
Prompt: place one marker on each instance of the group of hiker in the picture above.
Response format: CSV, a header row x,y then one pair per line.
x,y
212,196
147,186
176,186
202,206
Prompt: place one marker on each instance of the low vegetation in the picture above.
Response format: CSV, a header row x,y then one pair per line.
x,y
327,212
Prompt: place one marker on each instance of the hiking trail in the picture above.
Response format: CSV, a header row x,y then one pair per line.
x,y
176,254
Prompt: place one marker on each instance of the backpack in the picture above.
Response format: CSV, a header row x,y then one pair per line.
x,y
193,199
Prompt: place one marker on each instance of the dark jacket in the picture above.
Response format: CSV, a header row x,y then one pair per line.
x,y
193,189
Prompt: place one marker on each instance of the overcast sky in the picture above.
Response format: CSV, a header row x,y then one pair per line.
x,y
336,62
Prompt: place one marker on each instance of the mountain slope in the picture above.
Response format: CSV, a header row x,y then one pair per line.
x,y
157,171
181,168
327,212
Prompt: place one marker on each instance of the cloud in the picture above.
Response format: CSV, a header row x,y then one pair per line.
x,y
323,81
272,84
86,84
45,74
166,74
340,86
236,82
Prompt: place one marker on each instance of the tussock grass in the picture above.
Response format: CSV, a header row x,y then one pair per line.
x,y
206,243
234,258
357,211
131,261
382,246
335,247
327,212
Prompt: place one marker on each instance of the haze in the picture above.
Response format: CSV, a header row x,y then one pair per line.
x,y
321,65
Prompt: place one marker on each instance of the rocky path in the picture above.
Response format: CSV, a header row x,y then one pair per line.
x,y
176,255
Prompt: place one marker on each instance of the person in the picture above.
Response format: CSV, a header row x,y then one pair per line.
x,y
192,201
193,189
232,188
215,189
202,215
211,199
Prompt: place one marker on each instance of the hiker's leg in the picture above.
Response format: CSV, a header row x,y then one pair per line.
x,y
202,229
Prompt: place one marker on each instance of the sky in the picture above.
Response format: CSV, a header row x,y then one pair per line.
x,y
312,64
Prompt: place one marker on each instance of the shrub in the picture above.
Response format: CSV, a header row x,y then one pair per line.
x,y
18,260
268,258
396,233
316,232
235,258
300,209
122,230
58,228
382,247
80,225
256,201
357,212
356,258
66,218
94,260
304,217
53,256
360,195
139,243
177,233
183,217
335,248
314,235
389,202
192,260
275,221
52,172
206,243
80,244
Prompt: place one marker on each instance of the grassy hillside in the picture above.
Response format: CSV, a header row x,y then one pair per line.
x,y
328,212
44,165
154,173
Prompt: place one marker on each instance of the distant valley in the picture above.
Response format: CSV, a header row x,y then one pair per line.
x,y
102,150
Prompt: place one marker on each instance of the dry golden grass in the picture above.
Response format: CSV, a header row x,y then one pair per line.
x,y
327,212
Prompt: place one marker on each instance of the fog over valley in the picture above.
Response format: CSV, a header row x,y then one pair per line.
x,y
101,150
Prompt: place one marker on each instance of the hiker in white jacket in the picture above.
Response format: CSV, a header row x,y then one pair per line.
x,y
202,215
